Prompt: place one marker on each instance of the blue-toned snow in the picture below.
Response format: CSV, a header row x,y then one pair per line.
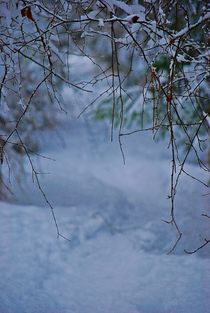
x,y
116,259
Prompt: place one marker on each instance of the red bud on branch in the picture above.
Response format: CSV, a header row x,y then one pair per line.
x,y
26,12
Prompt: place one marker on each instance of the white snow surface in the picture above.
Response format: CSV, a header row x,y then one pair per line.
x,y
116,260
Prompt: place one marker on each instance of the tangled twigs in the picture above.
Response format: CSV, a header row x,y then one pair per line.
x,y
151,73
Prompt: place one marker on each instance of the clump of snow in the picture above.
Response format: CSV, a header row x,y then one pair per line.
x,y
101,23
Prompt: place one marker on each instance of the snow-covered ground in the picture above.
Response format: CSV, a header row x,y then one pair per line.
x,y
115,261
